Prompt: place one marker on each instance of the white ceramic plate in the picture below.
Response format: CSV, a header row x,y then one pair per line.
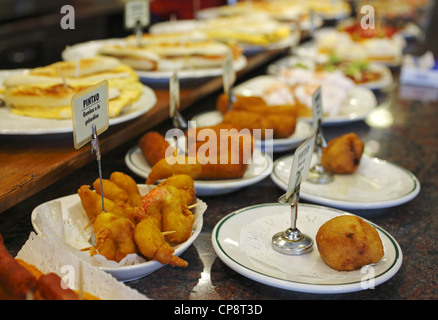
x,y
376,184
12,124
384,81
76,218
259,168
302,132
242,240
359,102
90,48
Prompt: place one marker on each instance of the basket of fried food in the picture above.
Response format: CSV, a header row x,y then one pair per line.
x,y
148,225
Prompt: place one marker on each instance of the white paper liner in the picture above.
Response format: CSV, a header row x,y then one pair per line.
x,y
50,257
64,224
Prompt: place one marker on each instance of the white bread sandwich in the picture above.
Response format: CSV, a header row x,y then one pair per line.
x,y
46,92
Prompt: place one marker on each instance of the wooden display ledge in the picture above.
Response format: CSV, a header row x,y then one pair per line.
x,y
29,164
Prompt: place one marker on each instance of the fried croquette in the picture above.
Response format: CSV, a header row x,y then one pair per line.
x,y
343,154
170,166
282,125
153,146
348,242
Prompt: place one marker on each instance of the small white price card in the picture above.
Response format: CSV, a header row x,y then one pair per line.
x,y
229,75
89,107
300,165
136,12
174,93
317,110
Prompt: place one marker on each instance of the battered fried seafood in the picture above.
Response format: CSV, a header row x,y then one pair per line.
x,y
185,184
166,208
114,236
348,242
110,190
151,244
135,224
129,185
343,154
92,204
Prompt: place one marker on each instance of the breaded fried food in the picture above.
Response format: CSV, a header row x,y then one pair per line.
x,y
166,207
170,166
114,236
185,184
256,105
283,125
240,102
222,152
92,203
223,139
128,184
177,218
153,146
343,154
151,244
110,190
348,242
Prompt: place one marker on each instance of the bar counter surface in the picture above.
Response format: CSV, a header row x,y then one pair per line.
x,y
402,129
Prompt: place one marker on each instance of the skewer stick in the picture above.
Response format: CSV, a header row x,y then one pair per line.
x,y
90,223
194,205
165,233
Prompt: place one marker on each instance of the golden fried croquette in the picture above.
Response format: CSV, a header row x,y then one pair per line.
x,y
348,242
254,104
170,166
153,146
343,154
282,125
